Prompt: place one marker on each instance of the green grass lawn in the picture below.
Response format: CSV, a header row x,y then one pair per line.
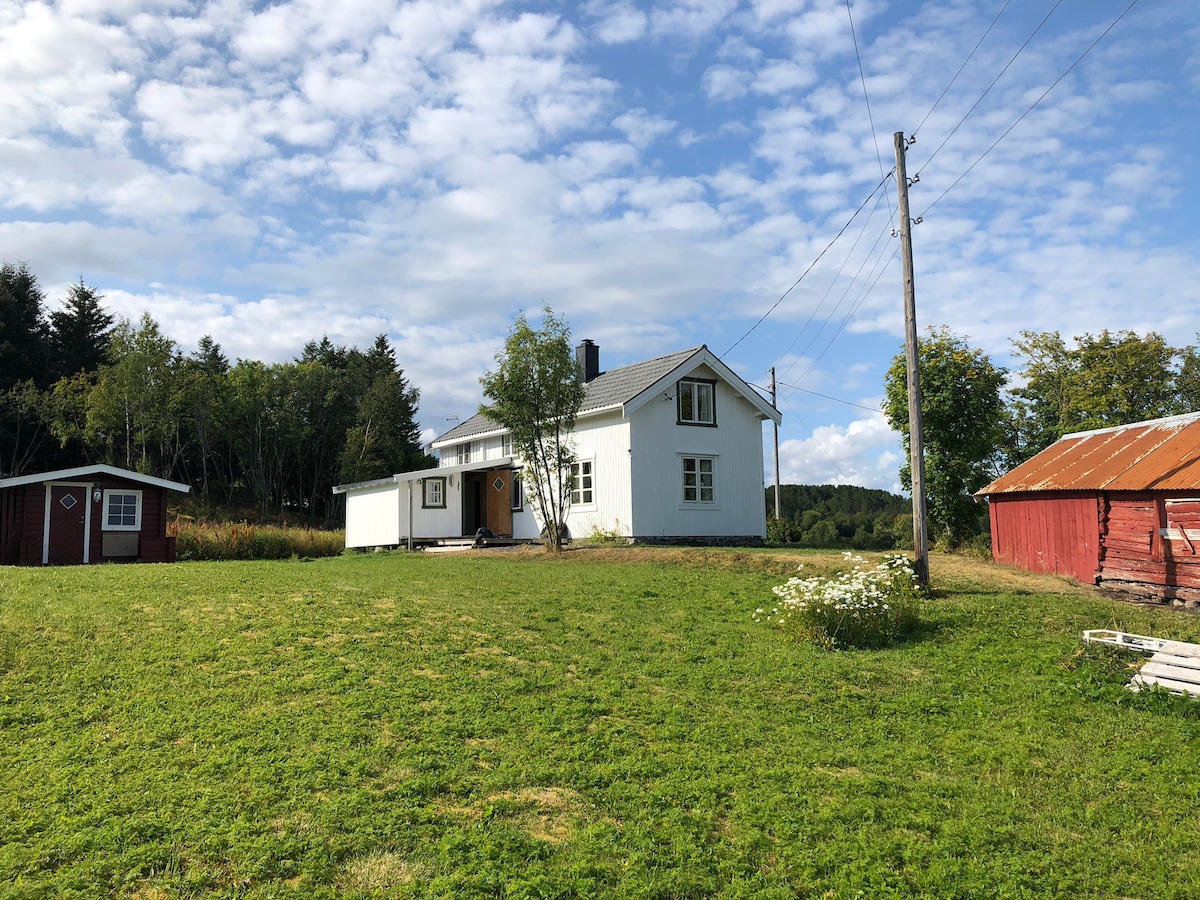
x,y
609,722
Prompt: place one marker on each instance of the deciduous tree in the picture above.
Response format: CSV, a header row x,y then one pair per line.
x,y
1103,380
961,409
535,391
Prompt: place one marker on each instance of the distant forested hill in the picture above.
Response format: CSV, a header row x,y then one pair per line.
x,y
827,515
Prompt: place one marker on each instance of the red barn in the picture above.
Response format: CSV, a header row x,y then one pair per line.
x,y
90,514
1118,506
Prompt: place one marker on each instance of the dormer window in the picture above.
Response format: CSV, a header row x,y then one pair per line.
x,y
697,402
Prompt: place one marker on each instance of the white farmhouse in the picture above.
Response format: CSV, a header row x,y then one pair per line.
x,y
669,449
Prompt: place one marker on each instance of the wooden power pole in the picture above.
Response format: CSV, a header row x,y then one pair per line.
x,y
916,441
776,426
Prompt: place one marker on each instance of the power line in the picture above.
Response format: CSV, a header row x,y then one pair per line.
x,y
845,321
796,387
825,296
829,317
963,66
870,118
989,87
1045,93
820,446
811,266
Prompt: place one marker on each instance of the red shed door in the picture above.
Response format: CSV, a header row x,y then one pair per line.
x,y
67,524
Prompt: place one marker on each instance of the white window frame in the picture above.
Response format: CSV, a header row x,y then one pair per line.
x,y
695,387
506,444
464,453
106,525
583,484
698,488
438,482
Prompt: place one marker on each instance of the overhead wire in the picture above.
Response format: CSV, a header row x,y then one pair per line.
x,y
970,55
825,296
828,318
846,320
974,105
820,446
867,99
811,266
796,387
1043,96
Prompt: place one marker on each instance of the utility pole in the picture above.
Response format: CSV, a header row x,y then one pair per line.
x,y
916,443
776,427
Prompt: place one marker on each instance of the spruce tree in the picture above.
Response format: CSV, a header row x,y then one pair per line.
x,y
80,331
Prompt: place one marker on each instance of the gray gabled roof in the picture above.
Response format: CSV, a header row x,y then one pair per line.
x,y
605,391
617,388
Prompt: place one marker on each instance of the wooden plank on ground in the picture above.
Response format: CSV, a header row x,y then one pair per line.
x,y
1140,683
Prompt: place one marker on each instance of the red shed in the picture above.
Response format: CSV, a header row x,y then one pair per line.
x,y
1118,505
90,514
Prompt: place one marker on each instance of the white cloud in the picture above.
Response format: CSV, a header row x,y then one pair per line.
x,y
726,82
430,168
643,128
617,23
865,453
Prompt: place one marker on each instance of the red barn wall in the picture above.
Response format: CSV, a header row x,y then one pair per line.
x,y
1055,533
1152,543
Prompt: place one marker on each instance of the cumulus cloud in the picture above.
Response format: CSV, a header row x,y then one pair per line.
x,y
865,452
617,23
662,175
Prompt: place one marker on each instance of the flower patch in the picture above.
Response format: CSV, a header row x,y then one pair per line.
x,y
864,607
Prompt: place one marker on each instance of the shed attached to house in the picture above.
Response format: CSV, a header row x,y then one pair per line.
x,y
88,514
1117,506
669,450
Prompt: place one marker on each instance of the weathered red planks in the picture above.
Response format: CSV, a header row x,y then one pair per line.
x,y
1059,534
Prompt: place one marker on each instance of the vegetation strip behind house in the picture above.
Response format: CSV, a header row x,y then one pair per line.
x,y
608,721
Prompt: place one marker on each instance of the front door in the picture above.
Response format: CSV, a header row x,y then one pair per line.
x,y
499,502
67,524
474,501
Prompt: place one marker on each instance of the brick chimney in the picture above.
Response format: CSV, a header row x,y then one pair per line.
x,y
587,356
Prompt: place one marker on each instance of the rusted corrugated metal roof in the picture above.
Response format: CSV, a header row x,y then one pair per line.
x,y
1162,454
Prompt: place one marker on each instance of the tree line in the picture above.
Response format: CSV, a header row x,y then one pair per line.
x,y
79,385
826,515
979,422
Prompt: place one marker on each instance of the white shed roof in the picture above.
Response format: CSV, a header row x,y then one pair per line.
x,y
483,465
89,471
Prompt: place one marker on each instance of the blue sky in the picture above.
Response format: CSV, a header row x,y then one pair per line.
x,y
660,174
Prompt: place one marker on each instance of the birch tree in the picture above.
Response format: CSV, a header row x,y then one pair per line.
x,y
535,391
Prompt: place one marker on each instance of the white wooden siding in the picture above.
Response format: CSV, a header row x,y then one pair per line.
x,y
377,516
658,444
373,516
604,439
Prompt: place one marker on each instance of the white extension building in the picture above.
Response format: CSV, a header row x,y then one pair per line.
x,y
667,449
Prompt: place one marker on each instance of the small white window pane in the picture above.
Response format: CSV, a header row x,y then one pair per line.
x,y
687,404
704,403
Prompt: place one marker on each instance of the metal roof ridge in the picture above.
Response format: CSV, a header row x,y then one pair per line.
x,y
1180,419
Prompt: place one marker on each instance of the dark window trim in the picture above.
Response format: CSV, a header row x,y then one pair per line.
x,y
679,420
425,504
517,492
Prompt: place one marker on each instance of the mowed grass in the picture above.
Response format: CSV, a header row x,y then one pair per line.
x,y
611,722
